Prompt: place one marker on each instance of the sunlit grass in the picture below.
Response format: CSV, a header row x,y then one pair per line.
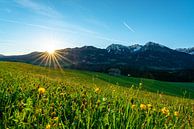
x,y
33,97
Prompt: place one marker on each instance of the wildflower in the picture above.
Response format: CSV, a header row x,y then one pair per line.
x,y
98,101
48,126
149,106
176,114
56,118
140,84
165,111
104,99
143,107
41,90
113,90
133,106
53,113
97,90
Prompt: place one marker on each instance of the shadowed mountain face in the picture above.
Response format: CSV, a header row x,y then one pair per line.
x,y
151,61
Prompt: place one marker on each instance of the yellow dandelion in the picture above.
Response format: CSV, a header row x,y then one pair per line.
x,y
97,90
48,126
176,114
165,111
143,107
133,106
113,90
149,105
41,90
56,118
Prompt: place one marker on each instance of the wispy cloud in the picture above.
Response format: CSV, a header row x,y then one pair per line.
x,y
65,27
128,27
38,8
27,24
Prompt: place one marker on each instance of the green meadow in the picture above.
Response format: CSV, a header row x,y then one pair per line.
x,y
38,97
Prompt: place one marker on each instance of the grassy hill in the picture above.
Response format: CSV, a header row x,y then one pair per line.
x,y
37,97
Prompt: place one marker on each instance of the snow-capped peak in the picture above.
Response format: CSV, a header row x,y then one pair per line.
x,y
135,47
186,50
117,48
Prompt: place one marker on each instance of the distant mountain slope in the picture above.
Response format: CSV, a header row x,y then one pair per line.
x,y
151,60
186,50
156,56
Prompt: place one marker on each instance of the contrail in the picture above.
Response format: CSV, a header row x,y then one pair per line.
x,y
126,25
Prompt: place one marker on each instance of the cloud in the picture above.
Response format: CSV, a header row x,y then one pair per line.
x,y
128,27
69,28
23,23
38,8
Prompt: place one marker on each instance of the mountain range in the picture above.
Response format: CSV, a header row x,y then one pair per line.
x,y
186,50
1,55
151,60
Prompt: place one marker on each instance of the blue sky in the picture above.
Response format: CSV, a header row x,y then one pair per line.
x,y
36,25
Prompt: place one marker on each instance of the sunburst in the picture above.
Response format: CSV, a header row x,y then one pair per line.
x,y
52,59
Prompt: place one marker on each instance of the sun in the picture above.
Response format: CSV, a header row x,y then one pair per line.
x,y
50,49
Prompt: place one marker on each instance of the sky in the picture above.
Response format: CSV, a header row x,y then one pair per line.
x,y
39,25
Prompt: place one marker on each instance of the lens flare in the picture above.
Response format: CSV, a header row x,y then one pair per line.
x,y
50,51
53,59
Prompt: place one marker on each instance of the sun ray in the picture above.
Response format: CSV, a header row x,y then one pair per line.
x,y
52,58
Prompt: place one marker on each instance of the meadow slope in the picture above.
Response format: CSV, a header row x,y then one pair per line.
x,y
38,97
